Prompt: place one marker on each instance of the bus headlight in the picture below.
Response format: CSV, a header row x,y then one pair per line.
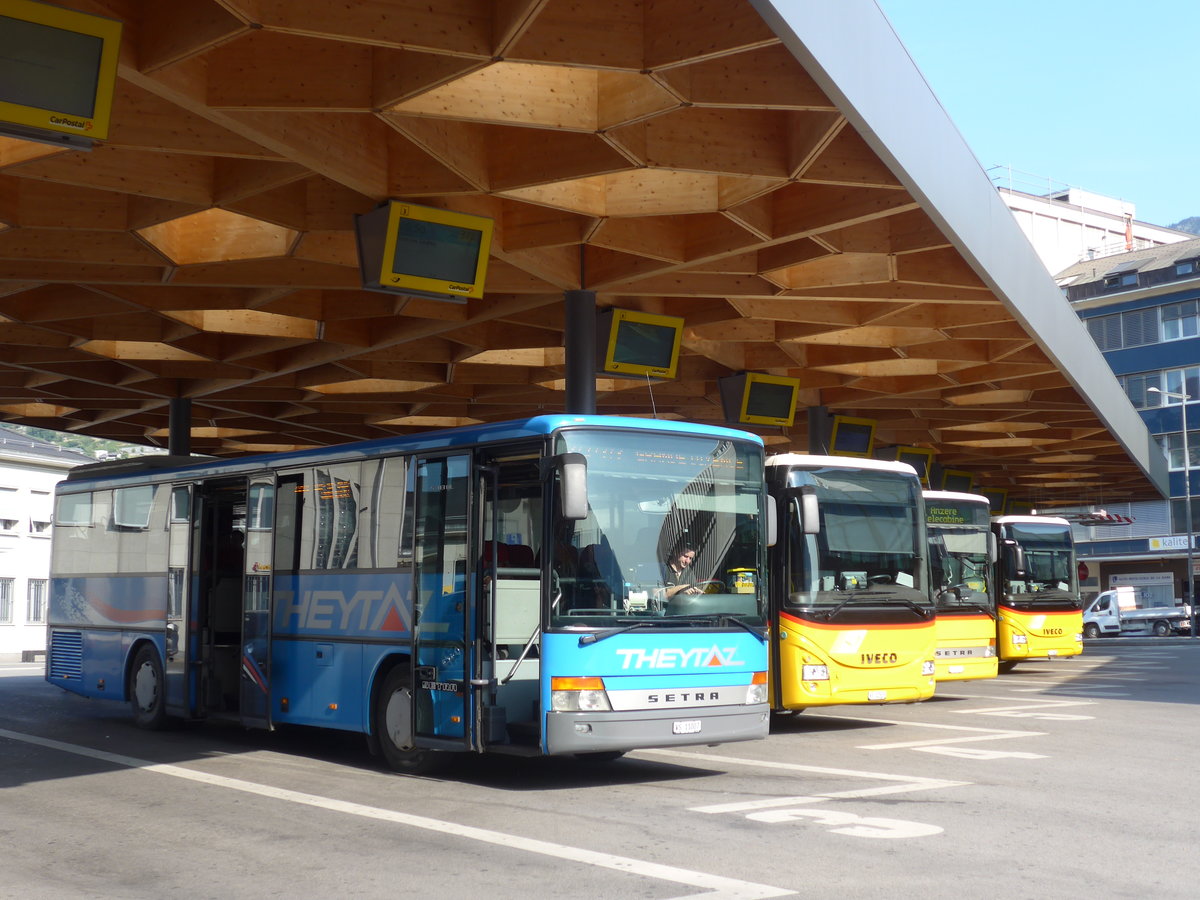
x,y
1079,638
578,695
757,692
1019,639
927,667
814,673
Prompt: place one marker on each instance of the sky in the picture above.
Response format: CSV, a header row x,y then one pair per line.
x,y
1096,95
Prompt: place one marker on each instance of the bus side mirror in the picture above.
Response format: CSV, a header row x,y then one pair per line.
x,y
772,521
992,551
572,484
1014,558
810,510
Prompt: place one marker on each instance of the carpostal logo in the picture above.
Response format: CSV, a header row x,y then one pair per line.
x,y
81,124
678,658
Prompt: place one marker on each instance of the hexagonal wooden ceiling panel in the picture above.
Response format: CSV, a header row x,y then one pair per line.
x,y
673,157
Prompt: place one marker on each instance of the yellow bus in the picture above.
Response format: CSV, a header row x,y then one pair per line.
x,y
962,551
852,618
1039,614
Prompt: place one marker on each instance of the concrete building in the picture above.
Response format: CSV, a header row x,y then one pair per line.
x,y
1143,310
29,470
1067,225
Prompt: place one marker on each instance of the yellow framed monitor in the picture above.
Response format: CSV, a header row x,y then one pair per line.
x,y
997,499
637,344
851,436
957,480
58,72
920,458
1019,508
422,251
754,398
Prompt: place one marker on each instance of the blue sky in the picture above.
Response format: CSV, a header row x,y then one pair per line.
x,y
1096,95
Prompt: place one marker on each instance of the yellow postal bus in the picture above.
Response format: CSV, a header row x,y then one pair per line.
x,y
852,619
962,551
1039,615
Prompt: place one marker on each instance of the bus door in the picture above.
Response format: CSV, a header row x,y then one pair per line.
x,y
181,647
255,680
442,664
217,586
510,594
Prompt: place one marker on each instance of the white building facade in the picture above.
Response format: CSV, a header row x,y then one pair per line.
x,y
29,470
1067,225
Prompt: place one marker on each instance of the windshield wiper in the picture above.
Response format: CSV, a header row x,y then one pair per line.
x,y
714,618
595,637
724,619
874,599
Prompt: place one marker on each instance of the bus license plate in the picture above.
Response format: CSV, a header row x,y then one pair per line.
x,y
687,726
876,695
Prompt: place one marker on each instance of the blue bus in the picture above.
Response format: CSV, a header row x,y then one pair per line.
x,y
501,587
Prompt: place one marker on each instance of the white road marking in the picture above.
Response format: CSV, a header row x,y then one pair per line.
x,y
783,810
715,887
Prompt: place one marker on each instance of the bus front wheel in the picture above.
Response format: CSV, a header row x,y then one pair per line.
x,y
394,726
146,690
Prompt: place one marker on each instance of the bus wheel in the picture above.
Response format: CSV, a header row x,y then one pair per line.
x,y
1091,630
393,724
146,690
1162,628
1007,666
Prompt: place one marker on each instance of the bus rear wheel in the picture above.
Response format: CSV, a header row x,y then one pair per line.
x,y
146,690
393,725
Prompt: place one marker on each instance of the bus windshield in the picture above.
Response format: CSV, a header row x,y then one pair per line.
x,y
673,534
1049,567
958,565
869,549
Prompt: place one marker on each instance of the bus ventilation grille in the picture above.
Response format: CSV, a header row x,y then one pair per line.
x,y
66,655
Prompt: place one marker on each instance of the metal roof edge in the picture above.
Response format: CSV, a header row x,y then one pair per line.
x,y
897,114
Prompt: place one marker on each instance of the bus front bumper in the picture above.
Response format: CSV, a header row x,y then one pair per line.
x,y
592,732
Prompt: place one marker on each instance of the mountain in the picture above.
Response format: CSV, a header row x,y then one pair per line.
x,y
1191,223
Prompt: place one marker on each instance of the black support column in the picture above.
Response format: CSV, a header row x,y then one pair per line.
x,y
579,343
179,428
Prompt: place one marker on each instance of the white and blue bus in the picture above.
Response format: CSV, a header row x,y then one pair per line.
x,y
492,588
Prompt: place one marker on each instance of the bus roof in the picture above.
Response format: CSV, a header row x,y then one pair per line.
x,y
811,461
167,468
955,495
1045,520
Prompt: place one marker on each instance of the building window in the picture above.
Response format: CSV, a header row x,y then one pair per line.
x,y
8,509
1186,267
6,601
1126,279
1172,445
1179,515
1135,388
1179,321
36,612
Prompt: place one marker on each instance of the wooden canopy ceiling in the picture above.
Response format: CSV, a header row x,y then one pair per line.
x,y
674,152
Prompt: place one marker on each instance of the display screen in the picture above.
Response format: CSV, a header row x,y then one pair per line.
x,y
644,344
957,481
768,400
436,250
849,437
48,68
